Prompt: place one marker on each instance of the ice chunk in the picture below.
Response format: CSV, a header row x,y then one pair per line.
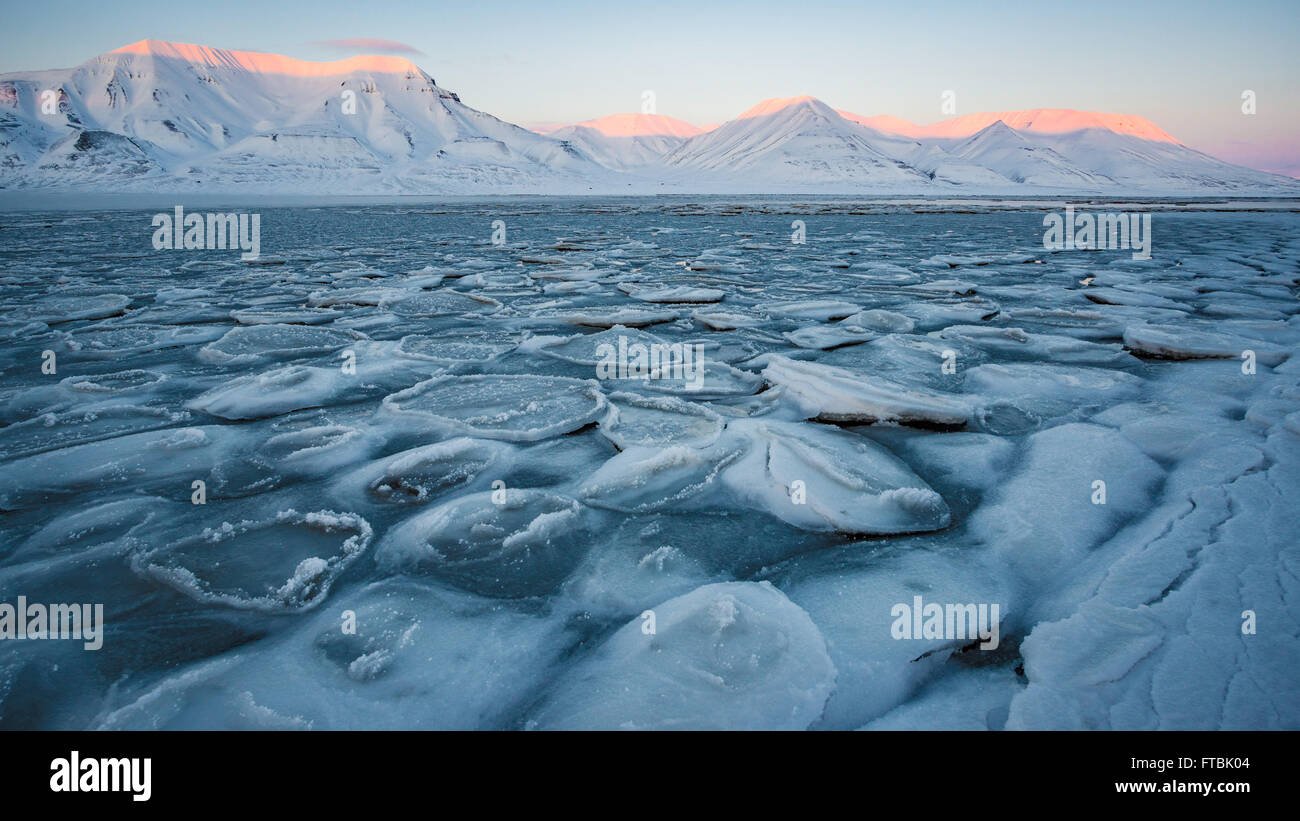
x,y
1060,474
315,450
1118,296
514,408
420,474
458,349
643,561
728,656
972,698
819,309
454,661
821,478
855,607
824,337
1016,342
444,302
971,460
705,378
85,424
1182,342
284,316
678,294
591,349
610,317
648,421
107,342
150,460
722,321
833,394
507,543
253,343
937,313
275,392
641,479
375,296
1046,390
885,322
55,309
284,563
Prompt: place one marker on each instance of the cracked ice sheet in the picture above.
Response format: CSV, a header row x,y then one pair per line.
x,y
1156,639
487,357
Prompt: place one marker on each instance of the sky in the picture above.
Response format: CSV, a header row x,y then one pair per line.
x,y
1183,65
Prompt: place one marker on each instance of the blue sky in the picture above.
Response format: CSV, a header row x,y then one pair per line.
x,y
1183,65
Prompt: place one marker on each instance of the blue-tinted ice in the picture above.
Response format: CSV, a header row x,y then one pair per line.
x,y
437,492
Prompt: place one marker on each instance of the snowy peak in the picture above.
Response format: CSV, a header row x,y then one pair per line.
x,y
1051,121
1034,120
794,142
998,132
637,125
1006,151
259,63
156,115
782,104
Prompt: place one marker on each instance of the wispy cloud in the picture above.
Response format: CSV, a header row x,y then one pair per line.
x,y
372,45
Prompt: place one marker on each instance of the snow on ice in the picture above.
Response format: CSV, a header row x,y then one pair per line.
x,y
385,478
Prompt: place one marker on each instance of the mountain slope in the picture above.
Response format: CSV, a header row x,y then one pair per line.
x,y
638,125
799,142
1006,152
1037,120
156,116
234,119
626,142
1083,150
1134,163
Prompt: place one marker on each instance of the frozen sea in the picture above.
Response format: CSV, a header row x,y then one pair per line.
x,y
384,476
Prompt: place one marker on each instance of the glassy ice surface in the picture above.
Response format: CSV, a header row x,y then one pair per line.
x,y
436,491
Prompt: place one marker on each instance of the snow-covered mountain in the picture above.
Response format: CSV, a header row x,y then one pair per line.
x,y
799,142
157,115
1006,151
1082,150
803,144
160,116
1037,120
626,141
638,125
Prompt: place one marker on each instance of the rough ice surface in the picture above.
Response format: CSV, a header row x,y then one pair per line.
x,y
821,478
731,656
522,542
389,480
514,407
839,395
262,565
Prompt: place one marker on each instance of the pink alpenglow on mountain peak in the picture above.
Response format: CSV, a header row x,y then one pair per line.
x,y
259,63
774,105
1039,120
640,125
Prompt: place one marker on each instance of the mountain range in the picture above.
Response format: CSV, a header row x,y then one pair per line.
x,y
158,116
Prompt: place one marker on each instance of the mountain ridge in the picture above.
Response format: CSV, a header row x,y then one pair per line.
x,y
156,115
